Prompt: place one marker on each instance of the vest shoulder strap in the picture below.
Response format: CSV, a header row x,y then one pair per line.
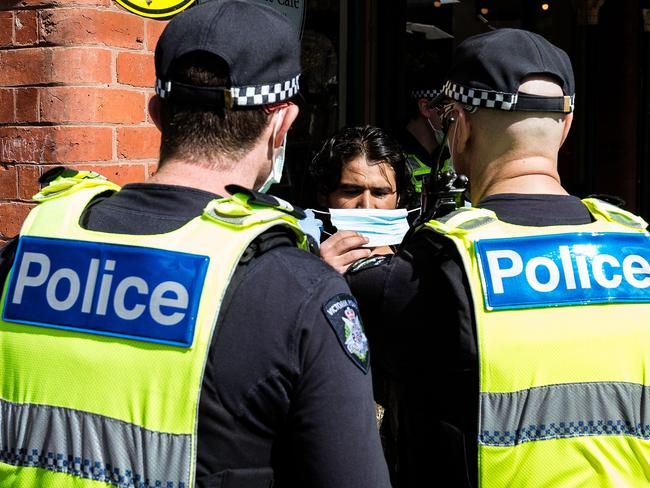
x,y
263,200
246,208
611,213
463,220
62,181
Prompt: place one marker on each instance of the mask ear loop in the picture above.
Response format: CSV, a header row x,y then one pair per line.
x,y
452,119
276,152
278,122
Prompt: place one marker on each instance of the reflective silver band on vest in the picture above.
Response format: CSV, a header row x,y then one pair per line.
x,y
93,447
562,411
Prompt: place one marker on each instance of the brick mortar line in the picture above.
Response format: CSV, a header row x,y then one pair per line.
x,y
23,163
43,45
52,164
74,125
40,45
113,66
99,86
69,6
40,125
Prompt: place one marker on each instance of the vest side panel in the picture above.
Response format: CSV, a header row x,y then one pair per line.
x,y
585,462
29,477
110,379
525,351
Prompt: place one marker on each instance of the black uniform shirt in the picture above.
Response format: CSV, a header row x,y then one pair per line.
x,y
418,316
280,395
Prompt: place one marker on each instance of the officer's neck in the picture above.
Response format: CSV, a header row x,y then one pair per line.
x,y
527,176
212,176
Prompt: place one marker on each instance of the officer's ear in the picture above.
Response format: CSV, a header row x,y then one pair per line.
x,y
462,128
289,114
154,110
423,107
568,120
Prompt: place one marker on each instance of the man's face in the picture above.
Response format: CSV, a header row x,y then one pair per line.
x,y
364,185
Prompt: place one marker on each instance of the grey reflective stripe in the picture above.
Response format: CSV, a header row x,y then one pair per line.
x,y
561,411
479,219
625,219
476,223
446,218
93,447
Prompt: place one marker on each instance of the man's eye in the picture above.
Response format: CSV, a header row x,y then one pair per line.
x,y
381,193
350,192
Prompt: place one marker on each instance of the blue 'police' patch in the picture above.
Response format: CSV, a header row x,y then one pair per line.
x,y
564,269
342,313
150,295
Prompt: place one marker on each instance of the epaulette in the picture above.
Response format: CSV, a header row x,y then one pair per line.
x,y
614,213
258,198
61,181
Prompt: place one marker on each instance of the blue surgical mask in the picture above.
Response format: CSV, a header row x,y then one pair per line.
x,y
382,227
312,226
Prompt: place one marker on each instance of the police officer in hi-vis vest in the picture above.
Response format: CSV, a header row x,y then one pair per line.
x,y
518,327
172,333
421,137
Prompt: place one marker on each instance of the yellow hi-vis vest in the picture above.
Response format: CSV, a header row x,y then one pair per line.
x,y
104,337
418,170
563,328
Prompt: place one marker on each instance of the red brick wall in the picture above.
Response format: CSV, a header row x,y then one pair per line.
x,y
75,80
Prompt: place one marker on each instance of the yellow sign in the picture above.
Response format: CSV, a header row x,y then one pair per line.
x,y
155,9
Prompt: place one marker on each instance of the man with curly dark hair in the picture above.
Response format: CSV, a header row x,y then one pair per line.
x,y
358,168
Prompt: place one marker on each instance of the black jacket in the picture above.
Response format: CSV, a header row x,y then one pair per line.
x,y
281,398
417,310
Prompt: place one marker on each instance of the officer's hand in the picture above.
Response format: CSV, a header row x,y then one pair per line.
x,y
343,248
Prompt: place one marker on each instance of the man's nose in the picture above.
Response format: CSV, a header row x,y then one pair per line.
x,y
365,200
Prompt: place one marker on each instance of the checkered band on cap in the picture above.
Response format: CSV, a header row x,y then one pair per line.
x,y
424,93
162,90
246,96
264,94
479,98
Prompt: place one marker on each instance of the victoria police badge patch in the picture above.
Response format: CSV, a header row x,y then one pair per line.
x,y
342,313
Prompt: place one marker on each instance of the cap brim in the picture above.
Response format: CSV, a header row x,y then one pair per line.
x,y
299,100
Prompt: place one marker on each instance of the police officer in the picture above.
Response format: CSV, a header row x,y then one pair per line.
x,y
421,136
170,333
517,327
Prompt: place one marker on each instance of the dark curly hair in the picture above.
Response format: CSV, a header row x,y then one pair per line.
x,y
351,142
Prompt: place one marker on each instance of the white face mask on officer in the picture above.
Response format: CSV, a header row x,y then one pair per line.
x,y
438,134
277,164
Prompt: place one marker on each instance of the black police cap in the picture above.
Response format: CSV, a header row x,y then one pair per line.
x,y
260,46
489,68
